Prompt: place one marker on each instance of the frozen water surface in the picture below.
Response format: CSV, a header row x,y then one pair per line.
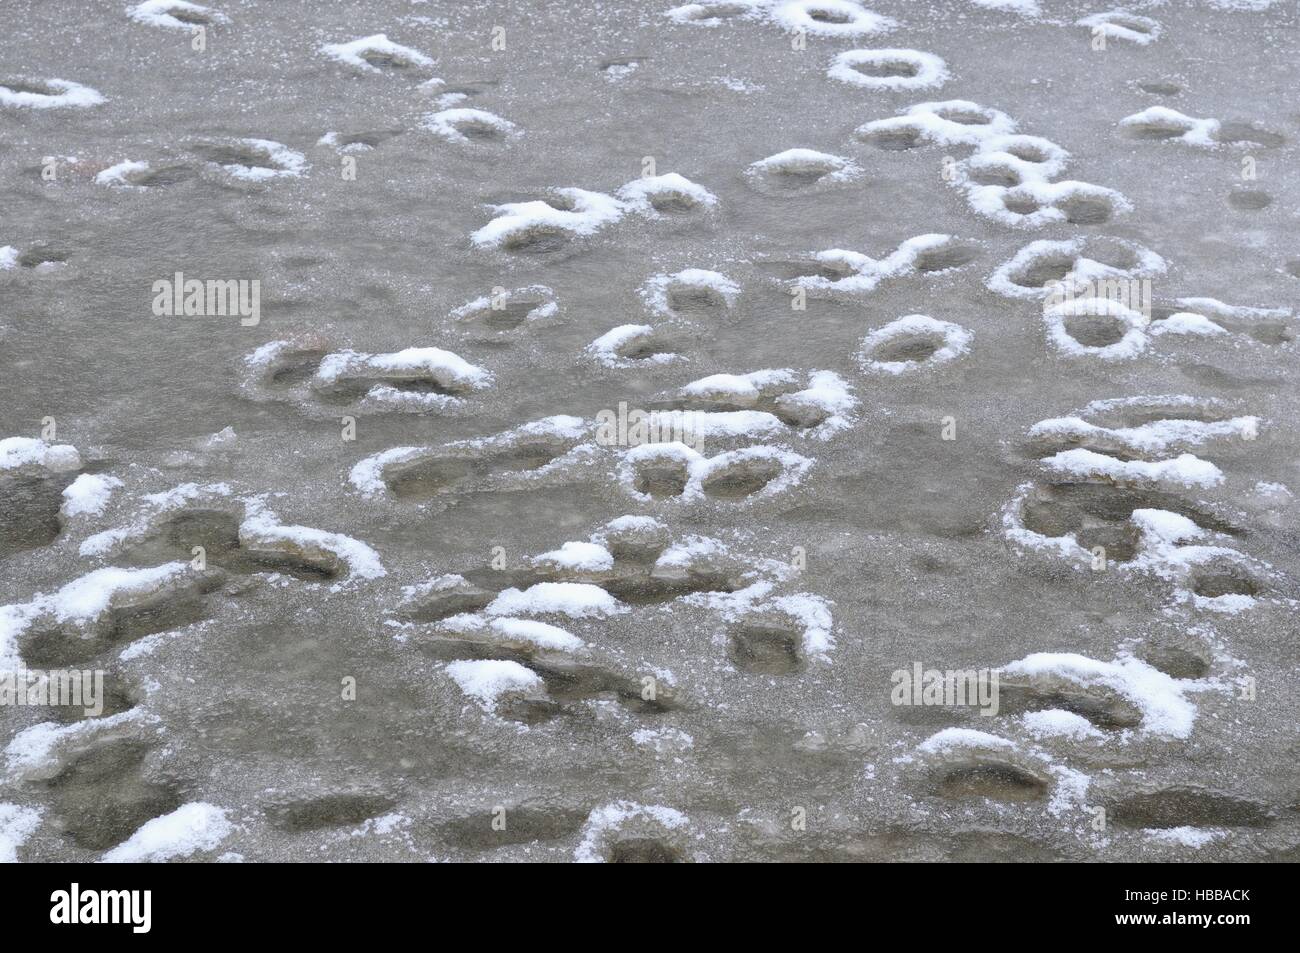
x,y
414,567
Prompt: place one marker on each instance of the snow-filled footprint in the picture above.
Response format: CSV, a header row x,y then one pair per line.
x,y
798,171
252,160
1096,327
100,611
309,374
134,174
962,763
763,400
374,54
463,126
512,459
1117,491
838,272
666,194
1122,25
1196,317
692,292
1047,269
631,565
634,345
913,342
551,223
829,18
346,143
208,526
47,94
507,314
625,832
674,471
1162,124
176,14
543,225
35,478
712,13
892,69
1013,179
949,123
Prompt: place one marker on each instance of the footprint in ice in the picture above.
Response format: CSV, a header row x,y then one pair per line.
x,y
620,67
1160,123
676,472
176,14
1096,327
761,401
141,174
376,54
1122,25
105,789
891,69
828,18
1124,695
464,126
954,122
548,224
800,171
355,142
324,811
1050,269
105,609
1159,87
1249,200
665,195
535,820
763,645
1115,493
507,315
1196,317
251,160
1187,806
690,293
716,12
838,272
415,380
625,832
44,257
1181,656
961,763
551,223
47,94
511,459
913,342
635,345
244,539
34,479
237,535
